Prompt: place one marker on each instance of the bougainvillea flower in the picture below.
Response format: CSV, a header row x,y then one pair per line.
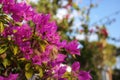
x,y
22,34
37,60
60,58
7,5
75,66
59,71
47,50
62,79
83,75
19,11
10,77
41,19
72,47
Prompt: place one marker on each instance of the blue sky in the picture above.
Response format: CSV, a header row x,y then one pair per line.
x,y
106,8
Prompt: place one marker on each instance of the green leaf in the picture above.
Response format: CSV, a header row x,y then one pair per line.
x,y
29,74
3,48
22,59
27,66
18,24
40,72
6,62
75,6
15,50
42,48
1,27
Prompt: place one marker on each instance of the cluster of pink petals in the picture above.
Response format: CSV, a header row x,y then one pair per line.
x,y
81,75
10,77
46,30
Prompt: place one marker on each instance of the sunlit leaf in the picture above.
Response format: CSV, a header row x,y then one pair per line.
x,y
75,6
27,66
1,27
28,74
42,47
3,49
22,59
40,72
18,24
6,62
15,50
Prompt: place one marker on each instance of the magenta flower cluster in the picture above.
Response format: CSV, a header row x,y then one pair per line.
x,y
40,44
